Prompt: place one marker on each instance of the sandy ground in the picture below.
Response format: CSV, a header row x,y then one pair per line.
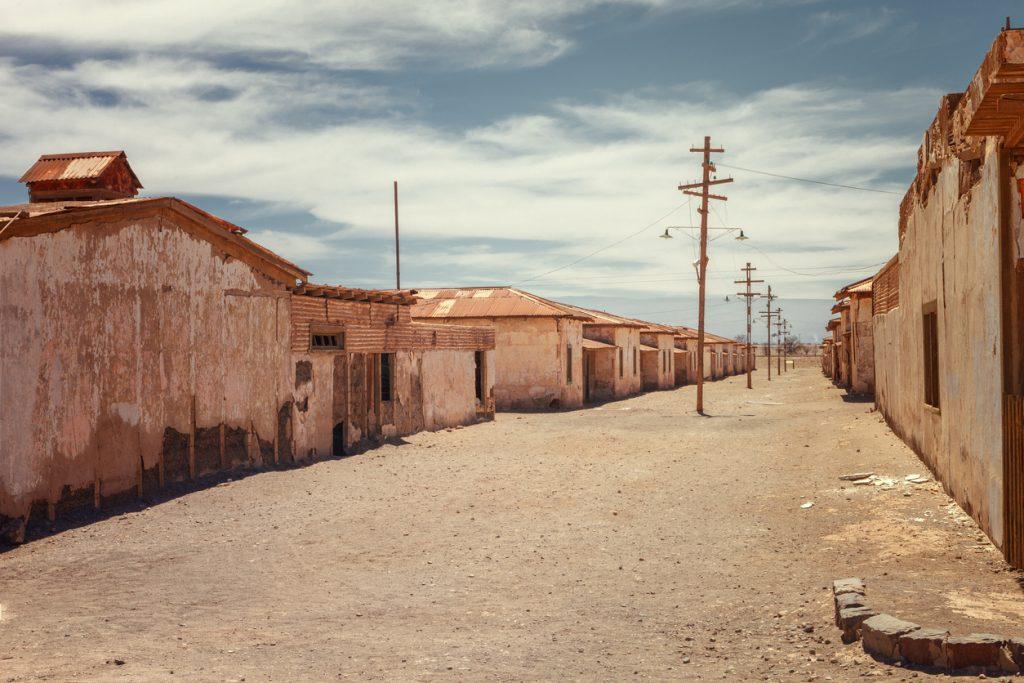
x,y
635,540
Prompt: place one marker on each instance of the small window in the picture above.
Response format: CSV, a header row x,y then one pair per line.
x,y
568,364
931,355
320,341
634,360
386,363
622,365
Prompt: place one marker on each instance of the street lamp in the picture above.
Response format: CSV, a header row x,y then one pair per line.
x,y
667,235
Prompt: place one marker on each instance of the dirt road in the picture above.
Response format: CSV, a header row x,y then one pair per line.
x,y
635,540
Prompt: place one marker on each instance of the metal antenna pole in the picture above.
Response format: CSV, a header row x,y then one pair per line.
x,y
398,263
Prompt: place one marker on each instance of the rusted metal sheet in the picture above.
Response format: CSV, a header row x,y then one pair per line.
x,y
489,302
1013,479
70,166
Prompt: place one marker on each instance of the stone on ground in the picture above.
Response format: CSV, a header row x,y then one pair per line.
x,y
880,635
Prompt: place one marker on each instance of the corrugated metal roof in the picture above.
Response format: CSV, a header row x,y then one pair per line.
x,y
73,166
858,287
488,302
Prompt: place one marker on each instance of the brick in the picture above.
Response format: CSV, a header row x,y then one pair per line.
x,y
924,647
880,636
850,620
852,585
976,652
845,600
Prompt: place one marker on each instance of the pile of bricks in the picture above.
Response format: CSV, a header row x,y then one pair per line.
x,y
893,640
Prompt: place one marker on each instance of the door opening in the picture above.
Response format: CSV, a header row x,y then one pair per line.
x,y
338,440
478,359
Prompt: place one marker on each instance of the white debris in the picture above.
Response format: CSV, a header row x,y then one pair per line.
x,y
808,505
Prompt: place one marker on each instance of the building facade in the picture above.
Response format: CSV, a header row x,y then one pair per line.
x,y
949,309
538,357
145,341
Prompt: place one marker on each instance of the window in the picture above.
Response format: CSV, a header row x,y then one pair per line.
x,y
386,363
931,355
322,341
621,363
568,364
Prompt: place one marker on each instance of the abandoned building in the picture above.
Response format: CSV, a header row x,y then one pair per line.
x,y
538,356
146,341
685,363
657,360
949,309
852,336
611,355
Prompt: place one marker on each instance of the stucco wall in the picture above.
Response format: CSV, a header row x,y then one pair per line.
x,y
448,383
862,373
530,361
626,378
949,254
116,338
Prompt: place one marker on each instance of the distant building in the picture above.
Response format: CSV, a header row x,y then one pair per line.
x,y
539,345
856,341
147,341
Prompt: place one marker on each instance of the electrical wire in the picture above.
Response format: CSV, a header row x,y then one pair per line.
x,y
607,246
809,180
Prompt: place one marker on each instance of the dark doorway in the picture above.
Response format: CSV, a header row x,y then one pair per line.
x,y
478,358
338,440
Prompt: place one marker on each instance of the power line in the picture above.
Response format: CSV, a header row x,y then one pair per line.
x,y
796,272
809,180
607,246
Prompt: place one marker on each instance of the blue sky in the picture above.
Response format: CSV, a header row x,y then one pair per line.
x,y
524,135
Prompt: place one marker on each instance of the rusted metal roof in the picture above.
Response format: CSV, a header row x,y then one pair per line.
x,y
72,166
593,344
489,302
604,319
858,287
845,303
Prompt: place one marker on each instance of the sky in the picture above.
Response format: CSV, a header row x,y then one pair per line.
x,y
537,143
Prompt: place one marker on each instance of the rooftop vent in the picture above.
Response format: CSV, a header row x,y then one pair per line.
x,y
81,176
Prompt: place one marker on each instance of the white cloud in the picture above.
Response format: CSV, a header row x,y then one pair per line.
x,y
582,173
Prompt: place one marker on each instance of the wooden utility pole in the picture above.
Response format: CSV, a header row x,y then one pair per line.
x,y
749,295
767,314
704,194
398,264
778,335
785,346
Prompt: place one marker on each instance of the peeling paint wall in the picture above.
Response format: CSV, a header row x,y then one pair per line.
x,y
949,255
626,379
658,370
122,339
862,369
530,357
